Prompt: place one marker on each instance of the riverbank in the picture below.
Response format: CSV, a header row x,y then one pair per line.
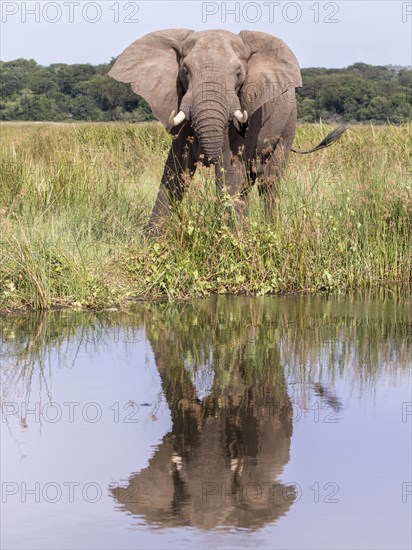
x,y
74,201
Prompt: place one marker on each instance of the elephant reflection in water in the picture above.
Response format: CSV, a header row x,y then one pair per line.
x,y
219,464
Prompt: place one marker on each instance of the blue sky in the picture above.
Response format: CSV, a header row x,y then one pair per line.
x,y
321,34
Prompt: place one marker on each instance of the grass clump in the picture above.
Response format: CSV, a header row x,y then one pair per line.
x,y
75,200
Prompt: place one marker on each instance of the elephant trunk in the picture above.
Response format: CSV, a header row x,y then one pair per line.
x,y
210,116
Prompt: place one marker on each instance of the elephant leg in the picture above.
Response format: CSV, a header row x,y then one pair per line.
x,y
179,169
232,177
272,158
272,166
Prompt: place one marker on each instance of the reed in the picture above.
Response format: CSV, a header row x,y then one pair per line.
x,y
74,200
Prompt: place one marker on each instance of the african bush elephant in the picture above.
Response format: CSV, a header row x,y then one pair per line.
x,y
234,95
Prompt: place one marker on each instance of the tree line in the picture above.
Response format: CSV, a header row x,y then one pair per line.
x,y
61,92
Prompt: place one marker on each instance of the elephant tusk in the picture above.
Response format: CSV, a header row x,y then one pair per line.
x,y
242,118
176,120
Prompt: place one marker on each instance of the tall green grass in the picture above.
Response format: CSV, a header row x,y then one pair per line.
x,y
74,200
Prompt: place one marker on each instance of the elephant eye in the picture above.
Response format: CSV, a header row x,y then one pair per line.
x,y
185,70
239,72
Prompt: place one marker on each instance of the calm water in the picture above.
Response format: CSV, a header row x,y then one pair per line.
x,y
281,422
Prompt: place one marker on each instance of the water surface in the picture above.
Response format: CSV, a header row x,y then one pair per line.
x,y
276,422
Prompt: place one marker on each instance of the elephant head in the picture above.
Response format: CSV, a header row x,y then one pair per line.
x,y
209,78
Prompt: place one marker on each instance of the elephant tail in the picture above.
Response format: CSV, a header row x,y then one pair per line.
x,y
327,141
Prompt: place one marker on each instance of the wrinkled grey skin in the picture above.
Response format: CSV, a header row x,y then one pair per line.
x,y
209,75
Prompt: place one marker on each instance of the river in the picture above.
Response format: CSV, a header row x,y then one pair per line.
x,y
267,422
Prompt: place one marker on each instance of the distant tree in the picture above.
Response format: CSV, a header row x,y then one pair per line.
x,y
83,107
405,78
361,92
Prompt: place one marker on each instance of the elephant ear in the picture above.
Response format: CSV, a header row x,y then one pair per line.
x,y
151,66
272,69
